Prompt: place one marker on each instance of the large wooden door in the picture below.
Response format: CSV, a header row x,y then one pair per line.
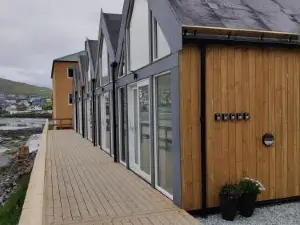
x,y
265,83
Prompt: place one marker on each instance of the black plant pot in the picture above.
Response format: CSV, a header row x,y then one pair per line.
x,y
228,207
247,204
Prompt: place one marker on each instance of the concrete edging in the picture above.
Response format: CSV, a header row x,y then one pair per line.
x,y
33,208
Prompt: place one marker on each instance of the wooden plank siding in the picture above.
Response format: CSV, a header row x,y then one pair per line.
x,y
264,82
190,127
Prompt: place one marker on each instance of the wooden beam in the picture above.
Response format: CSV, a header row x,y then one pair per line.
x,y
241,32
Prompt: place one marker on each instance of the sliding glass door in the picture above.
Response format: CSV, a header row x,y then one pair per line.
x,y
139,128
163,133
98,121
89,119
123,133
80,117
105,122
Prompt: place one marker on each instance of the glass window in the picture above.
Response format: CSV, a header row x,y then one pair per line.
x,y
104,60
123,124
107,119
139,36
70,99
70,72
161,47
105,122
163,129
144,120
122,66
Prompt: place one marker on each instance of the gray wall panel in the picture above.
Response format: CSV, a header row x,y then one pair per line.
x,y
153,69
176,137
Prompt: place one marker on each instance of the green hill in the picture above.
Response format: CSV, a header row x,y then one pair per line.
x,y
12,87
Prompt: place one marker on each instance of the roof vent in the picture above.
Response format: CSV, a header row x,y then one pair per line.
x,y
213,5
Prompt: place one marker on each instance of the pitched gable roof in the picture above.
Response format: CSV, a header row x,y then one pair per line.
x,y
113,23
93,45
266,15
74,57
70,58
83,68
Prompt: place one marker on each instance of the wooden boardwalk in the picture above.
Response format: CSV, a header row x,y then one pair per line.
x,y
84,186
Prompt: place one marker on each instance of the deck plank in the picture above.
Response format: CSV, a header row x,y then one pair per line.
x,y
85,187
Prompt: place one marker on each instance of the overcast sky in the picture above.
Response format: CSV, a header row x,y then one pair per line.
x,y
34,32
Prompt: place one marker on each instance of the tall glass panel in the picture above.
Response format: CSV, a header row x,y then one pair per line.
x,y
107,113
144,115
163,106
136,140
90,118
163,47
123,125
79,117
104,63
139,35
103,122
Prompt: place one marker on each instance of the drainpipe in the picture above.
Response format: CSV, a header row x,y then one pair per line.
x,y
203,131
82,112
114,104
93,111
76,111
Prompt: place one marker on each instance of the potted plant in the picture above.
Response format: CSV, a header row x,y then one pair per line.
x,y
250,189
229,196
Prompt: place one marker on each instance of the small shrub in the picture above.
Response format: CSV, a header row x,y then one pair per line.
x,y
231,190
250,186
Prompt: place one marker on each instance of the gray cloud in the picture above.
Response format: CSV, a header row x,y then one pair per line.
x,y
34,32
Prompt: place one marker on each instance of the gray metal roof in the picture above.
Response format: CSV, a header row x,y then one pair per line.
x,y
268,15
93,44
70,58
113,23
83,64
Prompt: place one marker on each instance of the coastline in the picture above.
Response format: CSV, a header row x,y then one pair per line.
x,y
12,140
28,115
12,167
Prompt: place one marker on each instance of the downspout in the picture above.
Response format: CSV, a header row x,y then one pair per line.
x,y
82,112
93,111
114,107
203,131
76,110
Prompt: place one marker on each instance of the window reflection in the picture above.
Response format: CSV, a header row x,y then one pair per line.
x,y
104,59
107,110
139,35
123,124
163,118
144,128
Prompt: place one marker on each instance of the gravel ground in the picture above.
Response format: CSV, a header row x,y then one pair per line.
x,y
286,214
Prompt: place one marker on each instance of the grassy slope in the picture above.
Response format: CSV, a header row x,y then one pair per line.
x,y
10,213
13,87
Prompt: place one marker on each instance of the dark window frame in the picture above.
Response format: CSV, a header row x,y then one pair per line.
x,y
68,72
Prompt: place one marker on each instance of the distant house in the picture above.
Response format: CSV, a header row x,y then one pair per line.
x,y
21,107
62,77
35,108
11,96
11,101
21,97
37,101
24,102
48,100
3,104
11,108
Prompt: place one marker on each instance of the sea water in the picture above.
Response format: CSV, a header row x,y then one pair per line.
x,y
20,123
